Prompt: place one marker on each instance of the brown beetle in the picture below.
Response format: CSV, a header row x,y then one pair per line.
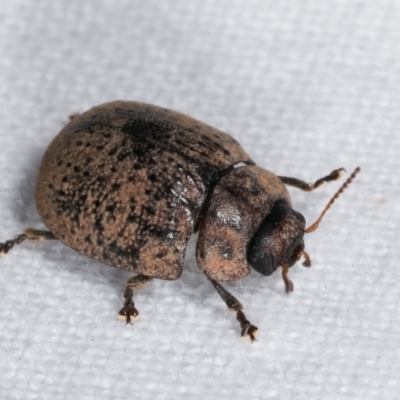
x,y
127,183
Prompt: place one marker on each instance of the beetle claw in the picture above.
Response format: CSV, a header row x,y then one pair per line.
x,y
129,312
250,332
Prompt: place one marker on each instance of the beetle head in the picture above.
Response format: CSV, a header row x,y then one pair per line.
x,y
278,241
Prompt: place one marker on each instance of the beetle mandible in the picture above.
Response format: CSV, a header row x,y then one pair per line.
x,y
127,183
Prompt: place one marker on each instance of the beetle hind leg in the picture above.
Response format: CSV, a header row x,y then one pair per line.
x,y
248,330
32,235
308,187
129,311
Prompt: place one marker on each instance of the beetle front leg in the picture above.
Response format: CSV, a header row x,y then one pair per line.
x,y
308,187
289,287
128,311
32,235
248,330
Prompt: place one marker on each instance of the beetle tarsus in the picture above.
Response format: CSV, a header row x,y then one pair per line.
x,y
315,225
129,310
248,330
9,244
29,234
308,187
333,176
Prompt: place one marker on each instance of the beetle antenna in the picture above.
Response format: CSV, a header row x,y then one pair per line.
x,y
314,226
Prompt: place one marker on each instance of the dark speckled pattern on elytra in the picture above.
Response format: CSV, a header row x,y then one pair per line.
x,y
124,183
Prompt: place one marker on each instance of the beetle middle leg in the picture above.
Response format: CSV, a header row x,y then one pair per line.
x,y
248,330
128,311
308,187
30,234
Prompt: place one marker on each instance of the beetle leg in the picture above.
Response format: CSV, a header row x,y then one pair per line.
x,y
248,330
30,234
308,187
288,283
307,261
128,310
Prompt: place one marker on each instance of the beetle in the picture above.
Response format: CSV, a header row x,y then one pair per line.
x,y
128,183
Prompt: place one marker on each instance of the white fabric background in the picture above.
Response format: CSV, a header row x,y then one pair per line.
x,y
306,87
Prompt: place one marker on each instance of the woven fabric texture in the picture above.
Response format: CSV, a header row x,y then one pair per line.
x,y
305,87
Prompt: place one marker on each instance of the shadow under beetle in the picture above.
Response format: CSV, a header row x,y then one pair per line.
x,y
127,183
